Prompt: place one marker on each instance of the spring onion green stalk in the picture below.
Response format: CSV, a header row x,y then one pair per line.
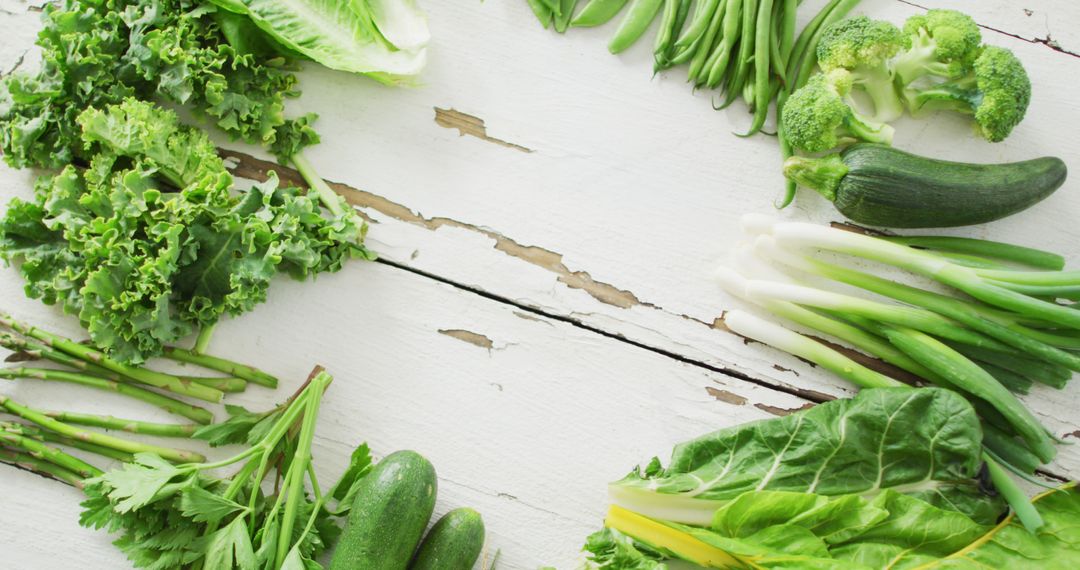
x,y
971,281
794,343
972,379
234,369
942,361
1041,371
1018,501
122,424
171,405
41,467
1006,329
88,354
858,338
860,333
915,318
984,248
43,420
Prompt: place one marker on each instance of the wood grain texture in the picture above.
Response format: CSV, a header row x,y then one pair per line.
x,y
550,321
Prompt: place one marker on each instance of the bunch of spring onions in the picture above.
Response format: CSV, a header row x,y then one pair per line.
x,y
1009,319
746,48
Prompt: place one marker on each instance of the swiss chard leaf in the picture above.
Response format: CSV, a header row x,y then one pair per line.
x,y
611,549
922,442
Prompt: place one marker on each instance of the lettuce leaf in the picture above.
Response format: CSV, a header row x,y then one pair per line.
x,y
922,442
384,39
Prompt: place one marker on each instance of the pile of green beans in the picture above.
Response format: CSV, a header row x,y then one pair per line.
x,y
745,48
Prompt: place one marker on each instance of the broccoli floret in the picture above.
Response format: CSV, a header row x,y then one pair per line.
x,y
863,47
996,90
819,116
941,43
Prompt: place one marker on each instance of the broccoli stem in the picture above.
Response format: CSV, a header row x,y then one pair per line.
x,y
822,175
222,365
166,403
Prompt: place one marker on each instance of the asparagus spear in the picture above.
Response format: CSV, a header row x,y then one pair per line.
x,y
43,420
88,354
166,403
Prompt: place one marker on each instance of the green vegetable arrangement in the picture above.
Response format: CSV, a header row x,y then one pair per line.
x,y
1001,331
937,62
39,355
802,491
141,233
883,186
172,510
745,48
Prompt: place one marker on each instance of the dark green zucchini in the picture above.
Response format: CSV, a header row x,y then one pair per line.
x,y
879,185
389,515
454,543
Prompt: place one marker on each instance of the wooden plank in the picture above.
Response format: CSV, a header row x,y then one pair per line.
x,y
527,427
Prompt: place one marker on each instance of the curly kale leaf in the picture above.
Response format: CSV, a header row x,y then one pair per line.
x,y
98,53
148,242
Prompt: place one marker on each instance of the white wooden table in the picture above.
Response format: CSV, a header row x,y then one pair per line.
x,y
542,319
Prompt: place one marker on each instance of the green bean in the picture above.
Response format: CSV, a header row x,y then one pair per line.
x,y
663,35
566,13
776,57
761,91
694,34
597,12
542,11
634,24
718,61
708,43
746,41
787,27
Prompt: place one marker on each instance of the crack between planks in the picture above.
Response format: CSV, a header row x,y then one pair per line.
x,y
246,166
1048,41
250,167
809,395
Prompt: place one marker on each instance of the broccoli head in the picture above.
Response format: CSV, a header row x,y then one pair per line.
x,y
819,116
940,43
996,90
863,47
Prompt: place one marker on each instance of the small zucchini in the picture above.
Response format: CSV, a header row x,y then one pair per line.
x,y
879,185
454,543
391,510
